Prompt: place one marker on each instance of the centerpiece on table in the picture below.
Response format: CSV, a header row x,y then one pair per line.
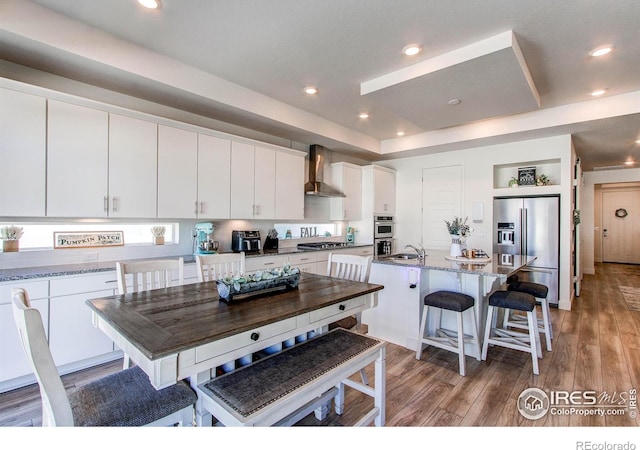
x,y
459,231
261,282
10,236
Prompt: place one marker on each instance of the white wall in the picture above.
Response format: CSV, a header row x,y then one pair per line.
x,y
591,179
478,164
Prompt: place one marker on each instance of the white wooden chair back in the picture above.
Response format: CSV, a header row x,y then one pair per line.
x,y
56,409
349,267
218,265
147,275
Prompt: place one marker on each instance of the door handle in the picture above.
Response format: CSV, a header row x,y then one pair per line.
x,y
604,233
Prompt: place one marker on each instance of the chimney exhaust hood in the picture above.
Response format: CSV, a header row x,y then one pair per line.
x,y
316,185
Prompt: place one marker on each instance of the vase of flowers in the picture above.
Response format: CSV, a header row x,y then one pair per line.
x,y
158,234
459,231
10,236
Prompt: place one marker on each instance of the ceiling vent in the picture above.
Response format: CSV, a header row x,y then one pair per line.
x,y
619,166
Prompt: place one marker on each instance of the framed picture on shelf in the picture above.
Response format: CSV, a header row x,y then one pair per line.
x,y
527,176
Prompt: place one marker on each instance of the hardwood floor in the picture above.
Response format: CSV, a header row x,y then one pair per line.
x,y
596,347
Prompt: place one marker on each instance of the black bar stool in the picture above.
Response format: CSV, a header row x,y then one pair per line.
x,y
447,339
540,292
527,342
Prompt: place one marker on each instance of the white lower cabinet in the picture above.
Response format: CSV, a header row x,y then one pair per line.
x,y
15,370
72,336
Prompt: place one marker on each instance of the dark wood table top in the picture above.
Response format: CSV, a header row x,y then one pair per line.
x,y
162,322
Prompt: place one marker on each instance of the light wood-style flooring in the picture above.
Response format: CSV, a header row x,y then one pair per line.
x,y
596,348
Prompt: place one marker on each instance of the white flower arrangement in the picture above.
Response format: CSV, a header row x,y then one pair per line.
x,y
11,233
158,230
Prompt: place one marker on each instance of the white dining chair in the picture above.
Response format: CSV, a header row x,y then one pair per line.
x,y
125,398
145,275
149,274
217,265
354,268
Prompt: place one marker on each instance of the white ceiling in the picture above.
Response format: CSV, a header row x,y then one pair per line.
x,y
521,68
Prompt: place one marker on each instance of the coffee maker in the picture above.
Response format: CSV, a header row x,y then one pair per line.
x,y
245,241
204,238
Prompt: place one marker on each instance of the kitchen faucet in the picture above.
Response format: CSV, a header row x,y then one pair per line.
x,y
421,251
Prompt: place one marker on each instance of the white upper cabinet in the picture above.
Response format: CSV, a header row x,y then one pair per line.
x,y
133,162
346,178
242,180
253,172
22,154
214,177
177,173
77,161
265,183
289,186
378,190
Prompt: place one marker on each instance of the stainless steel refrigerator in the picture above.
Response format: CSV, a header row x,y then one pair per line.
x,y
530,226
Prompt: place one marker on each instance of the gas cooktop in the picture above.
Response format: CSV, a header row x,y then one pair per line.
x,y
321,245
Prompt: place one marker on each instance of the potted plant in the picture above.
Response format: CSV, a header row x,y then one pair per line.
x,y
158,234
513,182
458,230
10,236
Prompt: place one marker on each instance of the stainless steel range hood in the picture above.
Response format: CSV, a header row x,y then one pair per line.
x,y
316,185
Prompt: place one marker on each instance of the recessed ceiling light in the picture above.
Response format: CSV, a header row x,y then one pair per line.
x,y
638,141
601,51
151,4
363,115
400,133
311,90
412,49
455,101
598,92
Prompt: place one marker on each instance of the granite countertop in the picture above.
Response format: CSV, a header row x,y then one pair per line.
x,y
500,265
27,273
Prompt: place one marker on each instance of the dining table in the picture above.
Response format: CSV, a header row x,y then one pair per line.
x,y
187,331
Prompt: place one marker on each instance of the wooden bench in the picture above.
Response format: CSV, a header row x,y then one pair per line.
x,y
283,388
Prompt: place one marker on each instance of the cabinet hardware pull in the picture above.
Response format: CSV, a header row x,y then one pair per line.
x,y
114,203
196,210
342,307
255,336
201,207
106,203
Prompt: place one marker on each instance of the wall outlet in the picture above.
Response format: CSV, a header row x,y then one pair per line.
x,y
90,256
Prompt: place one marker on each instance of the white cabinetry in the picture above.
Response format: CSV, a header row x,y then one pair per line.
x,y
214,177
23,154
177,173
289,193
253,173
133,163
72,336
379,190
77,161
347,178
13,362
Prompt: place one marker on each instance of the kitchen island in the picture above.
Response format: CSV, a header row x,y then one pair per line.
x,y
397,316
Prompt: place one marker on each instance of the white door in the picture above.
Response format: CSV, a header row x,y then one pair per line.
x,y
214,177
23,140
177,173
77,161
441,200
621,225
133,167
242,180
289,186
265,183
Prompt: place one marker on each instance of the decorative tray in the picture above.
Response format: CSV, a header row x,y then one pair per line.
x,y
462,259
242,287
